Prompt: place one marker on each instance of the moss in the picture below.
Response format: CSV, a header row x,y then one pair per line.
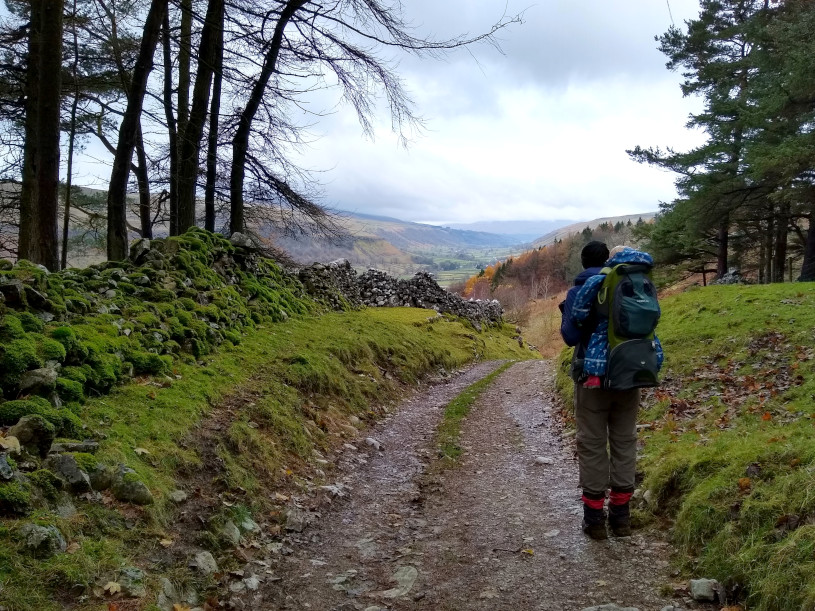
x,y
31,323
64,421
187,303
17,357
70,390
11,328
149,362
15,498
50,349
75,350
87,462
74,373
48,484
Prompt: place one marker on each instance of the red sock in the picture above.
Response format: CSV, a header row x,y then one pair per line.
x,y
619,498
593,503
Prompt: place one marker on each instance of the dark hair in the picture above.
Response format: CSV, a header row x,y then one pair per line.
x,y
594,254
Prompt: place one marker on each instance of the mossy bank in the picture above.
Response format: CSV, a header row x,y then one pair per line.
x,y
728,457
144,355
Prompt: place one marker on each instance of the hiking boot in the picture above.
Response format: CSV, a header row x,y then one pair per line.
x,y
619,519
594,523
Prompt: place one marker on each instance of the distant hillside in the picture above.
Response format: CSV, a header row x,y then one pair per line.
x,y
402,248
564,232
525,231
416,237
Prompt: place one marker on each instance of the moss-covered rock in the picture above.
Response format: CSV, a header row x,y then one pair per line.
x,y
15,498
69,390
65,422
17,357
128,488
34,433
48,484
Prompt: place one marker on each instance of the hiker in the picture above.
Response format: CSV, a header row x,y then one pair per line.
x,y
596,356
606,420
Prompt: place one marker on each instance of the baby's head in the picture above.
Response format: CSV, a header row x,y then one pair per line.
x,y
616,249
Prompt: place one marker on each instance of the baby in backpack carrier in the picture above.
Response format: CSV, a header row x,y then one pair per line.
x,y
596,357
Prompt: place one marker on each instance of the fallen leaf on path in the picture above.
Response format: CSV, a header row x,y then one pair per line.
x,y
165,542
528,552
111,587
141,451
72,548
745,483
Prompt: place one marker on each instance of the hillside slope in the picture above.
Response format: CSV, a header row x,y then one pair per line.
x,y
570,230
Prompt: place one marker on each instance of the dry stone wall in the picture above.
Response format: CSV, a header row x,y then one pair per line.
x,y
338,284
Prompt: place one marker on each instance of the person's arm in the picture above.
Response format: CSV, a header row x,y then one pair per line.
x,y
568,331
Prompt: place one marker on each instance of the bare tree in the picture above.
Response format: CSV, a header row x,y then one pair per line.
x,y
341,37
117,193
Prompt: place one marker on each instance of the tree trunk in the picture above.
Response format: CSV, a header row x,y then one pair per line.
x,y
212,139
761,256
191,135
723,244
240,143
183,104
66,218
808,266
117,194
39,234
28,190
144,187
172,133
768,249
781,235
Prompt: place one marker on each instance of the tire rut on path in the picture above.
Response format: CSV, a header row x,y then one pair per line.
x,y
498,532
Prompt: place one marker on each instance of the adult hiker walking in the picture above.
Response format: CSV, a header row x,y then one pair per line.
x,y
606,413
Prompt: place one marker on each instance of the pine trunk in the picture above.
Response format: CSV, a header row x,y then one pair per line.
x,y
723,244
808,267
781,235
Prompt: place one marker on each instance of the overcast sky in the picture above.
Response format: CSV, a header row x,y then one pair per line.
x,y
539,132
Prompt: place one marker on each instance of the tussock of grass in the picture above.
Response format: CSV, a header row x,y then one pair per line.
x,y
728,451
449,431
304,379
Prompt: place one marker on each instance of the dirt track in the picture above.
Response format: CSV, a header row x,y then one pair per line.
x,y
499,532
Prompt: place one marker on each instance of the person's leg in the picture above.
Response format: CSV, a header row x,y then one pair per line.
x,y
622,433
591,416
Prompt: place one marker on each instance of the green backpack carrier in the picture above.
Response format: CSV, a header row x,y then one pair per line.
x,y
628,298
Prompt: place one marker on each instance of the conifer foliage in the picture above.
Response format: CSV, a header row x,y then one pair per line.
x,y
746,196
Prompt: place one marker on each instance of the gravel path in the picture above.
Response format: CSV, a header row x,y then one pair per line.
x,y
498,532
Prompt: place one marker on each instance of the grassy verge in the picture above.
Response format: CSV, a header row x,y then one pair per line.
x,y
449,431
728,451
309,378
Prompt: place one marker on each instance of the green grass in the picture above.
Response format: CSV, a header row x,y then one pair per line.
x,y
449,431
728,452
302,381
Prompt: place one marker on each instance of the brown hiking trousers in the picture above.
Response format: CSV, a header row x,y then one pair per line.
x,y
606,438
